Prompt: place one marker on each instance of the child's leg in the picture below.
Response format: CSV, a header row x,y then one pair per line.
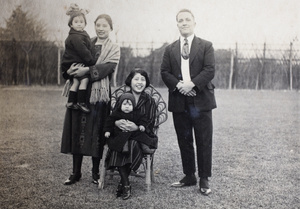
x,y
146,149
73,92
81,101
83,84
82,90
75,85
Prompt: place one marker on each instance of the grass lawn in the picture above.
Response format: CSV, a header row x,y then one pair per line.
x,y
256,156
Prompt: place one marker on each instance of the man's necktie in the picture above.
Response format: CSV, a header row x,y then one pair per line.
x,y
185,50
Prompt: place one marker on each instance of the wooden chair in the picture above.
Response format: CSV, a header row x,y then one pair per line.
x,y
161,117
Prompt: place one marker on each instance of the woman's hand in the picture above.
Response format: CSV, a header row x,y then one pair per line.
x,y
126,125
72,68
78,70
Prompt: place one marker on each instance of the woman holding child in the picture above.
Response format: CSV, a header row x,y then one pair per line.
x,y
83,132
137,80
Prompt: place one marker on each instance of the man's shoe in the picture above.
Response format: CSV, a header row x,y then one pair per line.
x,y
73,179
83,107
71,105
96,177
189,180
204,186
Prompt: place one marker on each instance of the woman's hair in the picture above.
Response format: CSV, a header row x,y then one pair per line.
x,y
134,72
107,18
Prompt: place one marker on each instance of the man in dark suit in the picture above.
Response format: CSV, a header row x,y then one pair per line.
x,y
187,69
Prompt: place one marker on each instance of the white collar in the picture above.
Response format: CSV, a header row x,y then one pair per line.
x,y
190,39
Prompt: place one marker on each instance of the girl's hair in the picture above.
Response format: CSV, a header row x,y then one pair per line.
x,y
76,14
107,18
134,72
75,11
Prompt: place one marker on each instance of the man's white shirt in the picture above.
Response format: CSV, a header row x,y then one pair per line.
x,y
185,67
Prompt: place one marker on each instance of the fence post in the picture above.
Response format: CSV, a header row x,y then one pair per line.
x,y
291,66
137,49
58,66
236,61
231,69
262,72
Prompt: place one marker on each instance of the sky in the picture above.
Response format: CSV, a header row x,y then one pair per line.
x,y
224,22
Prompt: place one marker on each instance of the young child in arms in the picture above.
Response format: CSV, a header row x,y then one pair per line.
x,y
78,50
118,138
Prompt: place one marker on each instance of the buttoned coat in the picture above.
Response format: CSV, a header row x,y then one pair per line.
x,y
202,71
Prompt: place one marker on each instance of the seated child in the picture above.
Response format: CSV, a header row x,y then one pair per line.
x,y
125,110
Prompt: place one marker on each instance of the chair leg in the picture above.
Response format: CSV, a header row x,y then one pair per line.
x,y
148,172
102,168
152,171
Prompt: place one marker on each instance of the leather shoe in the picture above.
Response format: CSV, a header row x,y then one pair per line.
x,y
204,186
83,107
119,191
189,180
73,179
126,192
71,105
96,177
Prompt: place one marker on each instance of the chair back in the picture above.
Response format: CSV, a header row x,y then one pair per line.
x,y
161,107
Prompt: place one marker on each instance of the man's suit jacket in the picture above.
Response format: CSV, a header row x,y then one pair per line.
x,y
202,71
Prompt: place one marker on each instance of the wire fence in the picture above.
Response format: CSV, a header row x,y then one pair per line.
x,y
263,66
238,66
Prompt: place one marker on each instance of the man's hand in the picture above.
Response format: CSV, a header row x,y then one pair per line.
x,y
186,88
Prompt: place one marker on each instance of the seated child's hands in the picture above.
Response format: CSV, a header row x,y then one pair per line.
x,y
142,128
107,134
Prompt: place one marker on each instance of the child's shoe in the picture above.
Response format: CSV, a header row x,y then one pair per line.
x,y
126,192
83,107
119,191
71,105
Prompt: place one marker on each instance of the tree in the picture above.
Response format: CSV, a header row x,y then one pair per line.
x,y
26,30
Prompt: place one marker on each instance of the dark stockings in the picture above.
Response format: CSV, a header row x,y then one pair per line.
x,y
124,173
72,97
96,163
81,96
77,162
